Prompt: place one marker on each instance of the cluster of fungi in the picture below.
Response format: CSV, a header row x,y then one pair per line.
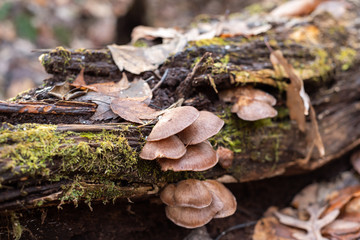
x,y
193,203
179,143
179,140
250,104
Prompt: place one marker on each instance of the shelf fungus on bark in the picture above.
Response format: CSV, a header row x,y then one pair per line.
x,y
180,127
193,203
199,157
250,104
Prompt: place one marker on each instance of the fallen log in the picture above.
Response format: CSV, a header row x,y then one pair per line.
x,y
49,156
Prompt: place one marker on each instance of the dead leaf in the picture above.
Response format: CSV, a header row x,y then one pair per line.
x,y
295,8
269,228
137,60
107,88
298,101
313,225
64,91
339,227
136,90
150,33
103,110
314,134
133,110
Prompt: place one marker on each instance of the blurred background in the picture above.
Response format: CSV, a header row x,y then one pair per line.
x,y
27,25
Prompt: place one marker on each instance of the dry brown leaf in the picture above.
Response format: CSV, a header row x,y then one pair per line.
x,y
137,60
298,101
339,227
296,8
64,91
137,90
313,225
269,228
107,88
314,135
103,110
150,33
133,110
342,197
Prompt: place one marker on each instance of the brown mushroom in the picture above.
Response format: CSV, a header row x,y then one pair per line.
x,y
173,121
226,197
226,157
171,147
252,110
189,217
199,157
230,95
206,126
187,193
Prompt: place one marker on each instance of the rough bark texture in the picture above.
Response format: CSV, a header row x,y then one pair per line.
x,y
81,160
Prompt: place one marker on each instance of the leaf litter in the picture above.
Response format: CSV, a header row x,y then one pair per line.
x,y
129,100
328,210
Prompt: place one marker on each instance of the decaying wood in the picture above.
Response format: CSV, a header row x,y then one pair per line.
x,y
265,149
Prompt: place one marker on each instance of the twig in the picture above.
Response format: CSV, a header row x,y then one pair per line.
x,y
183,89
161,80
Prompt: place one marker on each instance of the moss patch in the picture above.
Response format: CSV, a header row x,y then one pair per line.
x,y
346,57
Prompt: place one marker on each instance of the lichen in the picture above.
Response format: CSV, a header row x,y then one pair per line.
x,y
346,57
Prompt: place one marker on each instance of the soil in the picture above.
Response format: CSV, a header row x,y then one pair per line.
x,y
145,219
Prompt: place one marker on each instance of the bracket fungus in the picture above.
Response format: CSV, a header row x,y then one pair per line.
x,y
179,127
188,202
250,104
171,147
199,157
173,121
206,126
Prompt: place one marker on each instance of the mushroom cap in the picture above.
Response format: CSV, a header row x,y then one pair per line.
x,y
199,157
207,125
225,196
187,193
189,217
167,195
252,110
171,147
226,157
173,121
192,193
230,95
256,94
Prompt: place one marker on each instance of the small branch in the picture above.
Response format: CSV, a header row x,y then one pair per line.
x,y
184,89
63,107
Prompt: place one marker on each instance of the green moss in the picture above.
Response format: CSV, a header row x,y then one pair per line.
x,y
99,158
209,42
140,43
64,53
236,133
17,229
35,148
346,57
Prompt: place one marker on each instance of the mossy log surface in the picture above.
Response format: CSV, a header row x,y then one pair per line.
x,y
59,157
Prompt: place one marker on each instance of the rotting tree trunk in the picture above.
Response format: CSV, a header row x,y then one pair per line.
x,y
51,152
